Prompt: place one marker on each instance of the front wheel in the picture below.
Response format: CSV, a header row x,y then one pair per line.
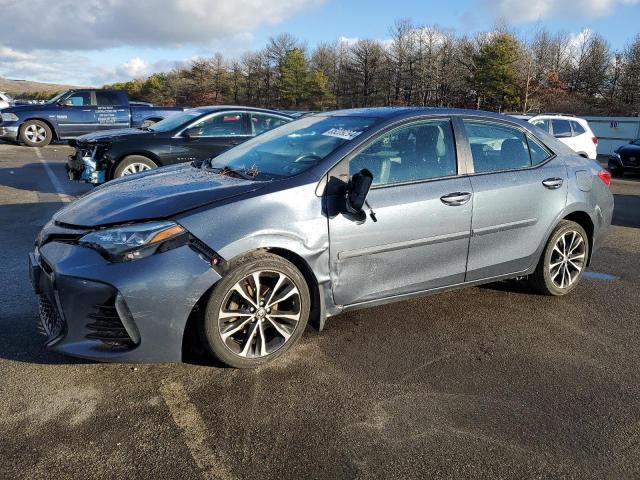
x,y
133,164
35,133
563,261
256,312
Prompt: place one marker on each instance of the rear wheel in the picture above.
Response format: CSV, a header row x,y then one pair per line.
x,y
563,261
256,312
133,164
35,133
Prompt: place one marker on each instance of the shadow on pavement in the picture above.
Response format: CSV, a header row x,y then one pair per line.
x,y
626,212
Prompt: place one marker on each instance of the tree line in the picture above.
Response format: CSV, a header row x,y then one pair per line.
x,y
416,65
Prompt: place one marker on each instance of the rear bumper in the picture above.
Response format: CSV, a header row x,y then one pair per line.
x,y
9,133
121,312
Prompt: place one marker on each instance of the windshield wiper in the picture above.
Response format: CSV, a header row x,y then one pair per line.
x,y
231,172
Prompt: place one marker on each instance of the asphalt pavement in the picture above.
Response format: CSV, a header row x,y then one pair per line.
x,y
488,382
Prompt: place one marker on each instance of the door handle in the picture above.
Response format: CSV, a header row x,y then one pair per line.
x,y
552,183
456,198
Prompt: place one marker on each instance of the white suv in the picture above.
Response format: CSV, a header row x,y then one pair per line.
x,y
5,100
572,131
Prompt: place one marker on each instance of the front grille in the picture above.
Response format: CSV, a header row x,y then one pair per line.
x,y
107,327
51,322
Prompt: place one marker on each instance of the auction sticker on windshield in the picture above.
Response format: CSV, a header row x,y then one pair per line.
x,y
342,133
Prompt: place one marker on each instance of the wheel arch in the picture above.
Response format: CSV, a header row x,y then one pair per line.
x,y
583,219
54,131
191,341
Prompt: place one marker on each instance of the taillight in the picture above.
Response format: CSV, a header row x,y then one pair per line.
x,y
595,141
605,176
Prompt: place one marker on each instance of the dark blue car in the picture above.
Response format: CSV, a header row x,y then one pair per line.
x,y
76,113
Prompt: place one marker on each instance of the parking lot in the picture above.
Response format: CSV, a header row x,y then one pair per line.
x,y
493,382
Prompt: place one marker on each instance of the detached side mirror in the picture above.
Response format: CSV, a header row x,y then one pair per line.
x,y
358,190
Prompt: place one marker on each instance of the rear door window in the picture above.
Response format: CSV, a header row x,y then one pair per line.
x,y
496,147
228,124
577,129
539,153
107,99
561,128
263,122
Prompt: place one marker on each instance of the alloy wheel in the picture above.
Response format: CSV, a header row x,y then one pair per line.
x,y
135,168
567,259
35,133
259,314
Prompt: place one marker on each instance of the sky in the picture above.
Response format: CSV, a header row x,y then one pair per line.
x,y
92,42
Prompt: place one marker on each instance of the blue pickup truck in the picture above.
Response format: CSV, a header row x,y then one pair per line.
x,y
76,113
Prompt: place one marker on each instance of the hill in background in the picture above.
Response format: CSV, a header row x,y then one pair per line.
x,y
21,88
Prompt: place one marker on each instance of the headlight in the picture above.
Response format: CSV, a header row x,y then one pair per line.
x,y
131,242
9,117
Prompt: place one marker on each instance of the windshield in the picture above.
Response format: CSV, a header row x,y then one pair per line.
x,y
292,148
176,121
56,98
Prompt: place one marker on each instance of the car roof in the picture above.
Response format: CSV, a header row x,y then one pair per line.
x,y
393,112
224,108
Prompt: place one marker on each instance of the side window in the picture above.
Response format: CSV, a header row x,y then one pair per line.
x,y
539,152
262,122
543,124
419,151
107,99
223,125
496,147
577,129
561,128
80,99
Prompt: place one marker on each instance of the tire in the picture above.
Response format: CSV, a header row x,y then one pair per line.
x,y
133,164
554,275
35,133
257,336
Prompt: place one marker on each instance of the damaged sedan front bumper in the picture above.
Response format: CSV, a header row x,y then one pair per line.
x,y
86,165
133,311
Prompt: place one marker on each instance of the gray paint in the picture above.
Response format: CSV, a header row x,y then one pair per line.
x,y
418,244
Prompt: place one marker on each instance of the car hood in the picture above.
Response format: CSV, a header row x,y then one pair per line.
x,y
629,149
152,195
110,135
31,107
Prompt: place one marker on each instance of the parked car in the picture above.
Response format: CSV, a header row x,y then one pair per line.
x,y
194,135
570,130
329,213
625,158
5,100
76,113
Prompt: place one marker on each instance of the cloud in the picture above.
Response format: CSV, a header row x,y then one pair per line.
x,y
76,69
100,24
518,11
